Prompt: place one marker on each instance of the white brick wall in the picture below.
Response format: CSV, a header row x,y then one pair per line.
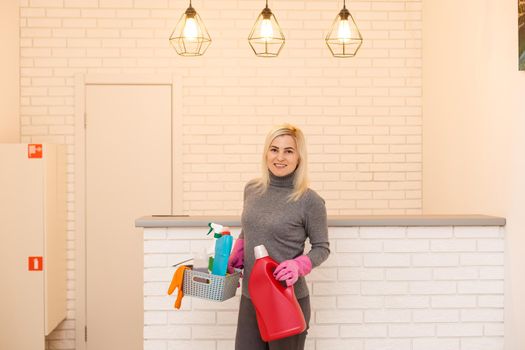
x,y
362,115
381,288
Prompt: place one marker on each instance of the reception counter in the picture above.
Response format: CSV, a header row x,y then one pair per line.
x,y
391,282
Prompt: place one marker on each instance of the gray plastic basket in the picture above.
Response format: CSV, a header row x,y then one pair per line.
x,y
212,287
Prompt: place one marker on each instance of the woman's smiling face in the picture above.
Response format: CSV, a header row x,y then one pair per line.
x,y
282,157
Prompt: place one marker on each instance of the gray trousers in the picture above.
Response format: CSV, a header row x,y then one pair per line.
x,y
249,338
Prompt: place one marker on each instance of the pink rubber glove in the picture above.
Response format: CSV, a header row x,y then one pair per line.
x,y
290,270
236,259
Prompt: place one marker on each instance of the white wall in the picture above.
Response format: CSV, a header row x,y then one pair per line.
x,y
9,71
362,115
474,127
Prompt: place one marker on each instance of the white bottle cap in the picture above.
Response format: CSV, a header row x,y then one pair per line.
x,y
260,251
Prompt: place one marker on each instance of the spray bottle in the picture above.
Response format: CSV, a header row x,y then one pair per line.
x,y
223,247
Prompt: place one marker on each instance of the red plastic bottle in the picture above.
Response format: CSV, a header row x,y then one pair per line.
x,y
278,312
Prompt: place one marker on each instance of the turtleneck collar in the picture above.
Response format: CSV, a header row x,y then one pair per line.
x,y
282,181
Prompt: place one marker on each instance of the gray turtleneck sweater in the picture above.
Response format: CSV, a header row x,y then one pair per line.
x,y
283,226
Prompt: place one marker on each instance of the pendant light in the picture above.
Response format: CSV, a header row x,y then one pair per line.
x,y
266,38
344,38
190,36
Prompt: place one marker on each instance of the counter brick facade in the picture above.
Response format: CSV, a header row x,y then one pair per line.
x,y
396,288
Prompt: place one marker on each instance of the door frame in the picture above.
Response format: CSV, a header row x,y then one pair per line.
x,y
175,82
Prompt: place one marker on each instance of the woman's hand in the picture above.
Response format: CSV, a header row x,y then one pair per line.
x,y
290,270
236,259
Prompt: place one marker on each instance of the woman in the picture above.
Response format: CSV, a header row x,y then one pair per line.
x,y
281,212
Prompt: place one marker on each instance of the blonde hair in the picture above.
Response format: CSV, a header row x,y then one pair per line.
x,y
300,183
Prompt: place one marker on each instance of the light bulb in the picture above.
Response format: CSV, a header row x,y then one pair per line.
x,y
343,32
266,30
191,31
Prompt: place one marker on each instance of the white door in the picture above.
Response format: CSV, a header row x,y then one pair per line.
x,y
128,175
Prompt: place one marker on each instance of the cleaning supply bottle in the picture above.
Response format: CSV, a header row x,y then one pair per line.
x,y
201,261
278,312
223,247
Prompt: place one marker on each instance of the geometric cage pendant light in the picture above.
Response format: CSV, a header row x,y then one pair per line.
x,y
266,37
344,38
190,36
